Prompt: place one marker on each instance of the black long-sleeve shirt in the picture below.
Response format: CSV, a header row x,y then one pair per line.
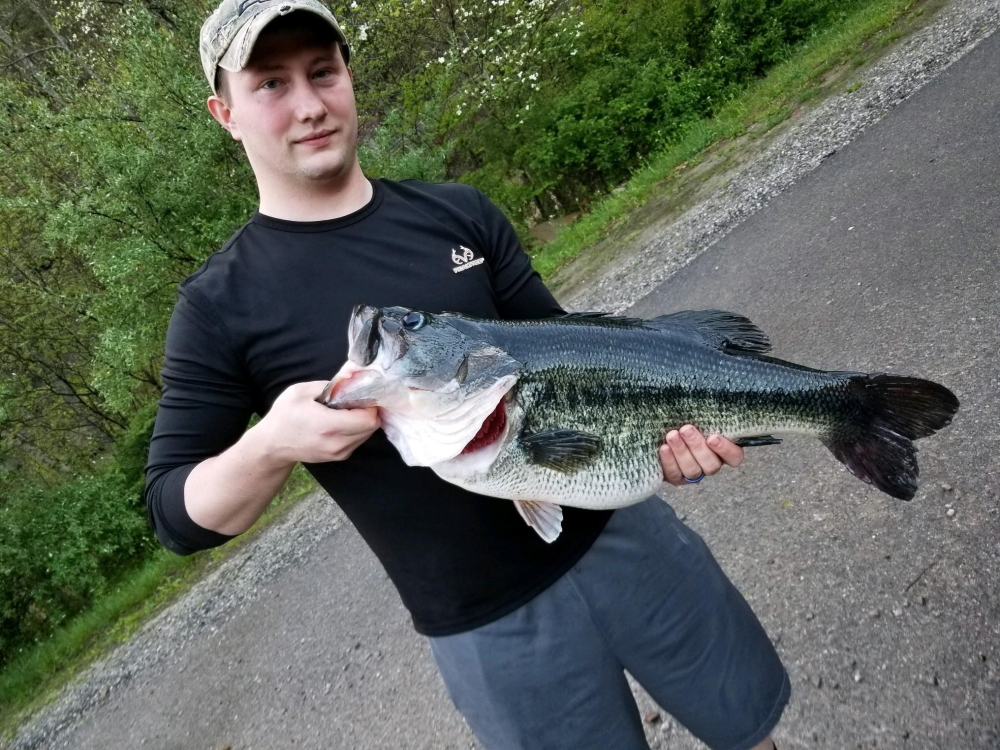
x,y
271,309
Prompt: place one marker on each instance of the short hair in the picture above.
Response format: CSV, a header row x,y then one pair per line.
x,y
221,85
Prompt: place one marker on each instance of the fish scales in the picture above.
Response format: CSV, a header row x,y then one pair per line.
x,y
630,388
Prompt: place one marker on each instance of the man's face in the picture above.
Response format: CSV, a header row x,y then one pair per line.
x,y
294,86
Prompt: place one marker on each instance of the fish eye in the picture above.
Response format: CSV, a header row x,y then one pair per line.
x,y
413,321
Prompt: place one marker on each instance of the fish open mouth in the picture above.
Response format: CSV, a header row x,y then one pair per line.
x,y
491,429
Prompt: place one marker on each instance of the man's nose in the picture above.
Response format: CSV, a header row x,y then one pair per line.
x,y
308,103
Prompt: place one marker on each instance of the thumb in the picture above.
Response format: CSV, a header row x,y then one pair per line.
x,y
314,385
315,389
353,421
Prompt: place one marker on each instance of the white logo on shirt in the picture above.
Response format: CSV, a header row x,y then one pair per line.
x,y
465,260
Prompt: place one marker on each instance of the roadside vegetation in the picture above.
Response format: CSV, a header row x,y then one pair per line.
x,y
38,672
116,184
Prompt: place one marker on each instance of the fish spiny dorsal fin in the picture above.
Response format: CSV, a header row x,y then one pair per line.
x,y
600,319
718,328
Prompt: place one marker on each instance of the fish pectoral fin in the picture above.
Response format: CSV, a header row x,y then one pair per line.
x,y
567,451
752,442
544,518
718,328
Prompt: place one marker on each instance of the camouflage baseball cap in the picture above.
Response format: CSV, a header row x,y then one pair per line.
x,y
228,36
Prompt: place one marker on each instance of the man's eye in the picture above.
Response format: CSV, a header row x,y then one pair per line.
x,y
325,70
266,83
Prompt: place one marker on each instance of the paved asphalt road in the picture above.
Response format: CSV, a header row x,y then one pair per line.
x,y
887,613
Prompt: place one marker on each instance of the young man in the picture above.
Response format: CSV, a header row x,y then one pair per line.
x,y
531,638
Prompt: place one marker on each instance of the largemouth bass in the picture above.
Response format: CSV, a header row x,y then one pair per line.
x,y
571,410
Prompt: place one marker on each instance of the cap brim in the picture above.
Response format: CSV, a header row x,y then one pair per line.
x,y
238,54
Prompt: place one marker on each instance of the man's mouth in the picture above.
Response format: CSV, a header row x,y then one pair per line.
x,y
492,429
319,138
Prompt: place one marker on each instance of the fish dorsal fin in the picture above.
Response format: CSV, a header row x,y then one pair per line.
x,y
718,328
544,518
567,451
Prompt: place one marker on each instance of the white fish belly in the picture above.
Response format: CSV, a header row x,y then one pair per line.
x,y
601,486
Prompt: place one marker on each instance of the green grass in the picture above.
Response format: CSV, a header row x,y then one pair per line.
x,y
35,676
764,105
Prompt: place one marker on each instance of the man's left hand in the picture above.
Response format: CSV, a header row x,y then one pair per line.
x,y
687,453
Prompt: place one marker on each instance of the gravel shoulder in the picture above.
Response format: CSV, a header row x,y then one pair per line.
x,y
359,673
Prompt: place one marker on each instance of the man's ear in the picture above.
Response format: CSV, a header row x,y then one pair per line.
x,y
224,116
350,72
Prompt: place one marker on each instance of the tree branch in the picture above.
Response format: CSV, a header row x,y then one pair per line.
x,y
26,55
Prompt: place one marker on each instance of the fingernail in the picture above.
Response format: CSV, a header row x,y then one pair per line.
x,y
687,430
714,441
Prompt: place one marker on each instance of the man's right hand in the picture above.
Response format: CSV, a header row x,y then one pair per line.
x,y
228,493
298,428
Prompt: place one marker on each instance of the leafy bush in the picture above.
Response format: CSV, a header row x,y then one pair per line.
x,y
645,71
398,151
61,548
132,451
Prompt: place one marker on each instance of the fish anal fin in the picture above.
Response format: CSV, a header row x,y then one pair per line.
x,y
544,518
752,442
567,451
718,328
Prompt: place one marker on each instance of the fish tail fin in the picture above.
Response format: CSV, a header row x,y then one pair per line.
x,y
890,412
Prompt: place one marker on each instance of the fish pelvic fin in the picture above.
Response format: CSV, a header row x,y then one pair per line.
x,y
567,451
892,411
544,518
718,328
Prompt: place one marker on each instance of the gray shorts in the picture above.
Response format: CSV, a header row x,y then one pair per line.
x,y
648,597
